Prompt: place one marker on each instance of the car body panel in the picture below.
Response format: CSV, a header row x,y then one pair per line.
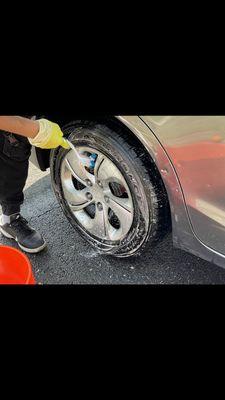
x,y
196,147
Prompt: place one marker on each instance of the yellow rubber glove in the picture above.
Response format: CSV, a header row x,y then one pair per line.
x,y
49,136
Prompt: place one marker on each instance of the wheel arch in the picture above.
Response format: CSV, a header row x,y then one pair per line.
x,y
179,219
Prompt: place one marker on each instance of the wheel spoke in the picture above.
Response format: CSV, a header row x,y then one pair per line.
x,y
74,163
80,201
123,210
76,199
100,225
98,163
107,171
81,206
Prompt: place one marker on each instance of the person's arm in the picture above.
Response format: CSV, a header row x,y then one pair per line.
x,y
19,125
40,133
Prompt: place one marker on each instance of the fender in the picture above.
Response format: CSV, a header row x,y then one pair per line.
x,y
183,234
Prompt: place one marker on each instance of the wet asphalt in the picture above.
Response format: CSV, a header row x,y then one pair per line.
x,y
70,260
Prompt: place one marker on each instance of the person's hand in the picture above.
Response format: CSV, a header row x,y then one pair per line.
x,y
49,136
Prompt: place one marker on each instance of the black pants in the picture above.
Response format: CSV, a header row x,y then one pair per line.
x,y
14,155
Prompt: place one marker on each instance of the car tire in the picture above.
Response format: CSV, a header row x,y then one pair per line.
x,y
151,213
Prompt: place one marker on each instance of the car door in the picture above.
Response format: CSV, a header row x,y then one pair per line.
x,y
196,147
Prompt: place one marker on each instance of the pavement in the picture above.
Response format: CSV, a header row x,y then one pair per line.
x,y
70,260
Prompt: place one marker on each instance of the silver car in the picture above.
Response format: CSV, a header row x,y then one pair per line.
x,y
133,179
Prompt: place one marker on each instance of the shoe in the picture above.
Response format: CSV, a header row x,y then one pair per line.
x,y
27,238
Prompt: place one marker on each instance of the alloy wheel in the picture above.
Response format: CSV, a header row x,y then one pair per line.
x,y
97,193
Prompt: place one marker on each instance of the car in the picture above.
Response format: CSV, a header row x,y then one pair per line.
x,y
133,179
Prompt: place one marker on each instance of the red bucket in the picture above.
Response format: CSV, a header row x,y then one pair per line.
x,y
15,267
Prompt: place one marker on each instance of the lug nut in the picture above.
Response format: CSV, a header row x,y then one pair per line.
x,y
88,182
99,205
106,199
100,184
89,196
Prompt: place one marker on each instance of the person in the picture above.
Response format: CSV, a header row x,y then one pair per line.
x,y
17,135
